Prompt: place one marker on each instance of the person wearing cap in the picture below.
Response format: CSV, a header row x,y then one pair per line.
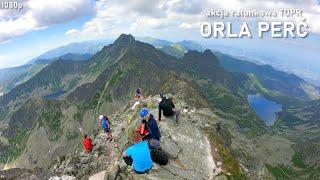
x,y
168,108
105,124
150,123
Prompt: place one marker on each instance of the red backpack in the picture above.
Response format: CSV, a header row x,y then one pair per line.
x,y
142,130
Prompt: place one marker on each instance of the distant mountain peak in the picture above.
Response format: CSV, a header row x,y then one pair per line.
x,y
208,52
206,58
124,39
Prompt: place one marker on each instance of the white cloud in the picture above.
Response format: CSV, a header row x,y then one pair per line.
x,y
310,8
153,8
141,17
6,14
113,17
18,27
39,14
187,6
72,32
53,12
185,25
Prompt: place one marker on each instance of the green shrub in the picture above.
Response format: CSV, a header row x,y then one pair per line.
x,y
297,160
116,77
17,144
281,172
50,117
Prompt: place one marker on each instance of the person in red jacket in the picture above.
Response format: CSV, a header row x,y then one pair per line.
x,y
87,143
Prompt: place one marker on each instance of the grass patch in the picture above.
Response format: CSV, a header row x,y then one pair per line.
x,y
77,116
50,117
17,144
71,135
116,77
108,97
95,100
3,113
281,172
297,160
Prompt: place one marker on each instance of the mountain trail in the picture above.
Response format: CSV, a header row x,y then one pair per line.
x,y
99,101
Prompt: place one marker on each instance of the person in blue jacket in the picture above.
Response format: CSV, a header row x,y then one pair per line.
x,y
138,155
105,124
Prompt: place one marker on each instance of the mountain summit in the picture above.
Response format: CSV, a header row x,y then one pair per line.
x,y
124,39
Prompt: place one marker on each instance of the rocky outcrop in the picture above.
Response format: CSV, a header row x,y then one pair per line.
x,y
21,174
191,153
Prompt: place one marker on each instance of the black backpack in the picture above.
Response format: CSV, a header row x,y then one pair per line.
x,y
159,156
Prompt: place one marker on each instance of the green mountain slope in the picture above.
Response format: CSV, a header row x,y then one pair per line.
x,y
11,77
79,91
281,83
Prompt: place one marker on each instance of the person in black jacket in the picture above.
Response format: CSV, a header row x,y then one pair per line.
x,y
168,108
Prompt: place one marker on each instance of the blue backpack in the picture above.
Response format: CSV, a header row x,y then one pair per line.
x,y
104,122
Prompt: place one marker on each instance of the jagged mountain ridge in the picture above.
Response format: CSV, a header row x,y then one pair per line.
x,y
278,81
205,64
306,115
176,49
47,79
66,57
11,77
126,60
86,47
108,80
53,76
281,83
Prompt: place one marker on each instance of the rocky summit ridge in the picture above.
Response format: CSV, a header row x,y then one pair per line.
x,y
191,153
187,145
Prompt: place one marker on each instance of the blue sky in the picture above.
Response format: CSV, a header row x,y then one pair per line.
x,y
35,43
45,24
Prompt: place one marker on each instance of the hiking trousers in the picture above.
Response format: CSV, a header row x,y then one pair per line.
x,y
176,115
129,161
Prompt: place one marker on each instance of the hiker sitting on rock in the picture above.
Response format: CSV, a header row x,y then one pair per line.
x,y
168,108
105,124
157,154
150,123
138,155
87,143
